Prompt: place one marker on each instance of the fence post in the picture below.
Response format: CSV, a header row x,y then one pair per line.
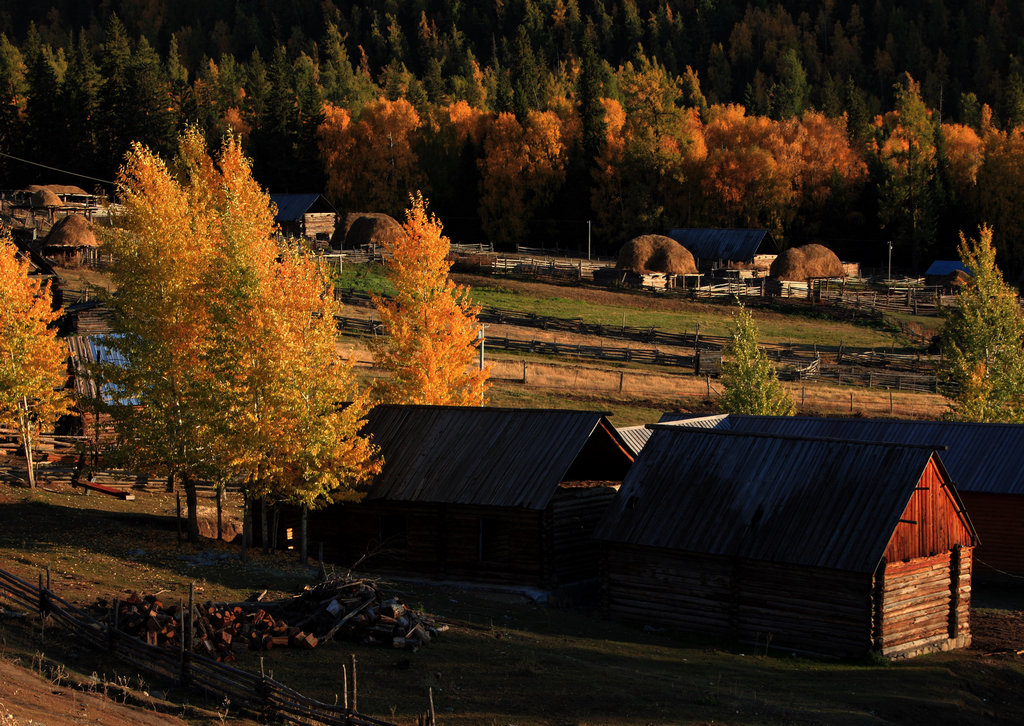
x,y
113,624
344,683
355,692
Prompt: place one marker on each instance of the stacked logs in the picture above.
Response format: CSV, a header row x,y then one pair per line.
x,y
343,610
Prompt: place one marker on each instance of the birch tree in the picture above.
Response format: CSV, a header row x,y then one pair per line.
x,y
33,362
751,383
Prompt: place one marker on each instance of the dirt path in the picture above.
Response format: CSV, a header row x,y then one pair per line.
x,y
28,698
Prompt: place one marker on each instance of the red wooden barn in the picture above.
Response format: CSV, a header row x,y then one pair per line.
x,y
985,460
819,546
488,494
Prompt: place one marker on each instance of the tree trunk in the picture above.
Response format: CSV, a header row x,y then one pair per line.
x,y
170,482
25,425
302,535
192,504
265,541
246,527
220,512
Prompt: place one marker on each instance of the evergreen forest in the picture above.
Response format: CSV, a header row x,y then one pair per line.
x,y
539,122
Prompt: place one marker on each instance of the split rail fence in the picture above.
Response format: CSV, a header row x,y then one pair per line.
x,y
248,690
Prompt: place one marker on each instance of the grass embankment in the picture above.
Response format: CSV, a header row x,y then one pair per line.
x,y
504,660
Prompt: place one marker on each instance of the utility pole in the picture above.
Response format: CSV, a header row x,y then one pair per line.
x,y
588,239
480,337
889,278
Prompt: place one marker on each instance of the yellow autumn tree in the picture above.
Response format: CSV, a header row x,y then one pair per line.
x,y
33,362
430,325
228,338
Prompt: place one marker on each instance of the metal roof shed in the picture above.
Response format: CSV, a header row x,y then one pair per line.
x,y
718,247
500,495
304,215
986,461
815,541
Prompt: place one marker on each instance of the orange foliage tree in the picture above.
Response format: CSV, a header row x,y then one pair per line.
x,y
1000,194
33,362
430,325
523,165
371,161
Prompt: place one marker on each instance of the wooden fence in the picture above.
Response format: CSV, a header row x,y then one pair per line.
x,y
248,690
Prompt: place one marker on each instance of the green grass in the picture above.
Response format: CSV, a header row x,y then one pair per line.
x,y
644,310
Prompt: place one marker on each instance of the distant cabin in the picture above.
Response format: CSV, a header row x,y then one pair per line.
x,y
985,460
815,546
715,249
309,216
506,496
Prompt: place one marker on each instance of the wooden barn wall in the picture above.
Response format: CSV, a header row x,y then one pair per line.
x,y
930,524
434,540
315,223
569,521
808,610
924,605
999,521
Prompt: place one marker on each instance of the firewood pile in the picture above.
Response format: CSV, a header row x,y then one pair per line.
x,y
348,610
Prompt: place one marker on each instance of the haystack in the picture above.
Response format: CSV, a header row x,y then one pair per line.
x,y
365,229
58,189
44,198
73,232
805,263
656,253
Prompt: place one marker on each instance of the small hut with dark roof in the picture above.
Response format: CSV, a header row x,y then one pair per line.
x,y
506,496
819,546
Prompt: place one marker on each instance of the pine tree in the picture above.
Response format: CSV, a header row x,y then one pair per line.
x,y
33,364
748,376
982,341
430,327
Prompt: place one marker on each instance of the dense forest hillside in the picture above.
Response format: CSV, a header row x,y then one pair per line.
x,y
850,124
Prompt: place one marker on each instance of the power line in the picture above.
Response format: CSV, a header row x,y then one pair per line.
x,y
53,168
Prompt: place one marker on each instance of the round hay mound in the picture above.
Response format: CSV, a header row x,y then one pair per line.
x,y
656,253
958,278
804,263
72,231
44,198
57,189
370,228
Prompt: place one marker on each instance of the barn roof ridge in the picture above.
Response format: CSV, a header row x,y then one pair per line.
x,y
794,437
506,409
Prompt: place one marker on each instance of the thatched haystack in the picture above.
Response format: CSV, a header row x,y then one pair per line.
x,y
58,189
656,253
958,278
72,232
807,262
368,229
44,198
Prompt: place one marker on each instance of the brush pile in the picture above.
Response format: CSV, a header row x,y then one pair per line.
x,y
334,609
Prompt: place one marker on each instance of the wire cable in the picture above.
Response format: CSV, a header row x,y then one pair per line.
x,y
53,168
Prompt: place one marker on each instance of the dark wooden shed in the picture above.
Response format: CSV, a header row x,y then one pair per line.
x,y
487,494
305,215
719,248
818,546
985,460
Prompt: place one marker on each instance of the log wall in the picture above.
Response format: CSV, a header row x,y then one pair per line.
x,y
572,554
923,605
808,610
999,521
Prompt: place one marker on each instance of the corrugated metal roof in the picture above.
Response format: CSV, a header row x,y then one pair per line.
x,y
292,207
88,349
940,268
980,457
811,502
635,437
724,244
479,456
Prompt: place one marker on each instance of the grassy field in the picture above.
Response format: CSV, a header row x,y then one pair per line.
x,y
504,660
607,307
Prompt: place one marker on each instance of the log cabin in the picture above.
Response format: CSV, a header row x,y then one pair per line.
x,y
816,546
985,460
309,216
504,496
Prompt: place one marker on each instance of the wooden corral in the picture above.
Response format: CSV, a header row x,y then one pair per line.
x,y
494,495
985,460
824,547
